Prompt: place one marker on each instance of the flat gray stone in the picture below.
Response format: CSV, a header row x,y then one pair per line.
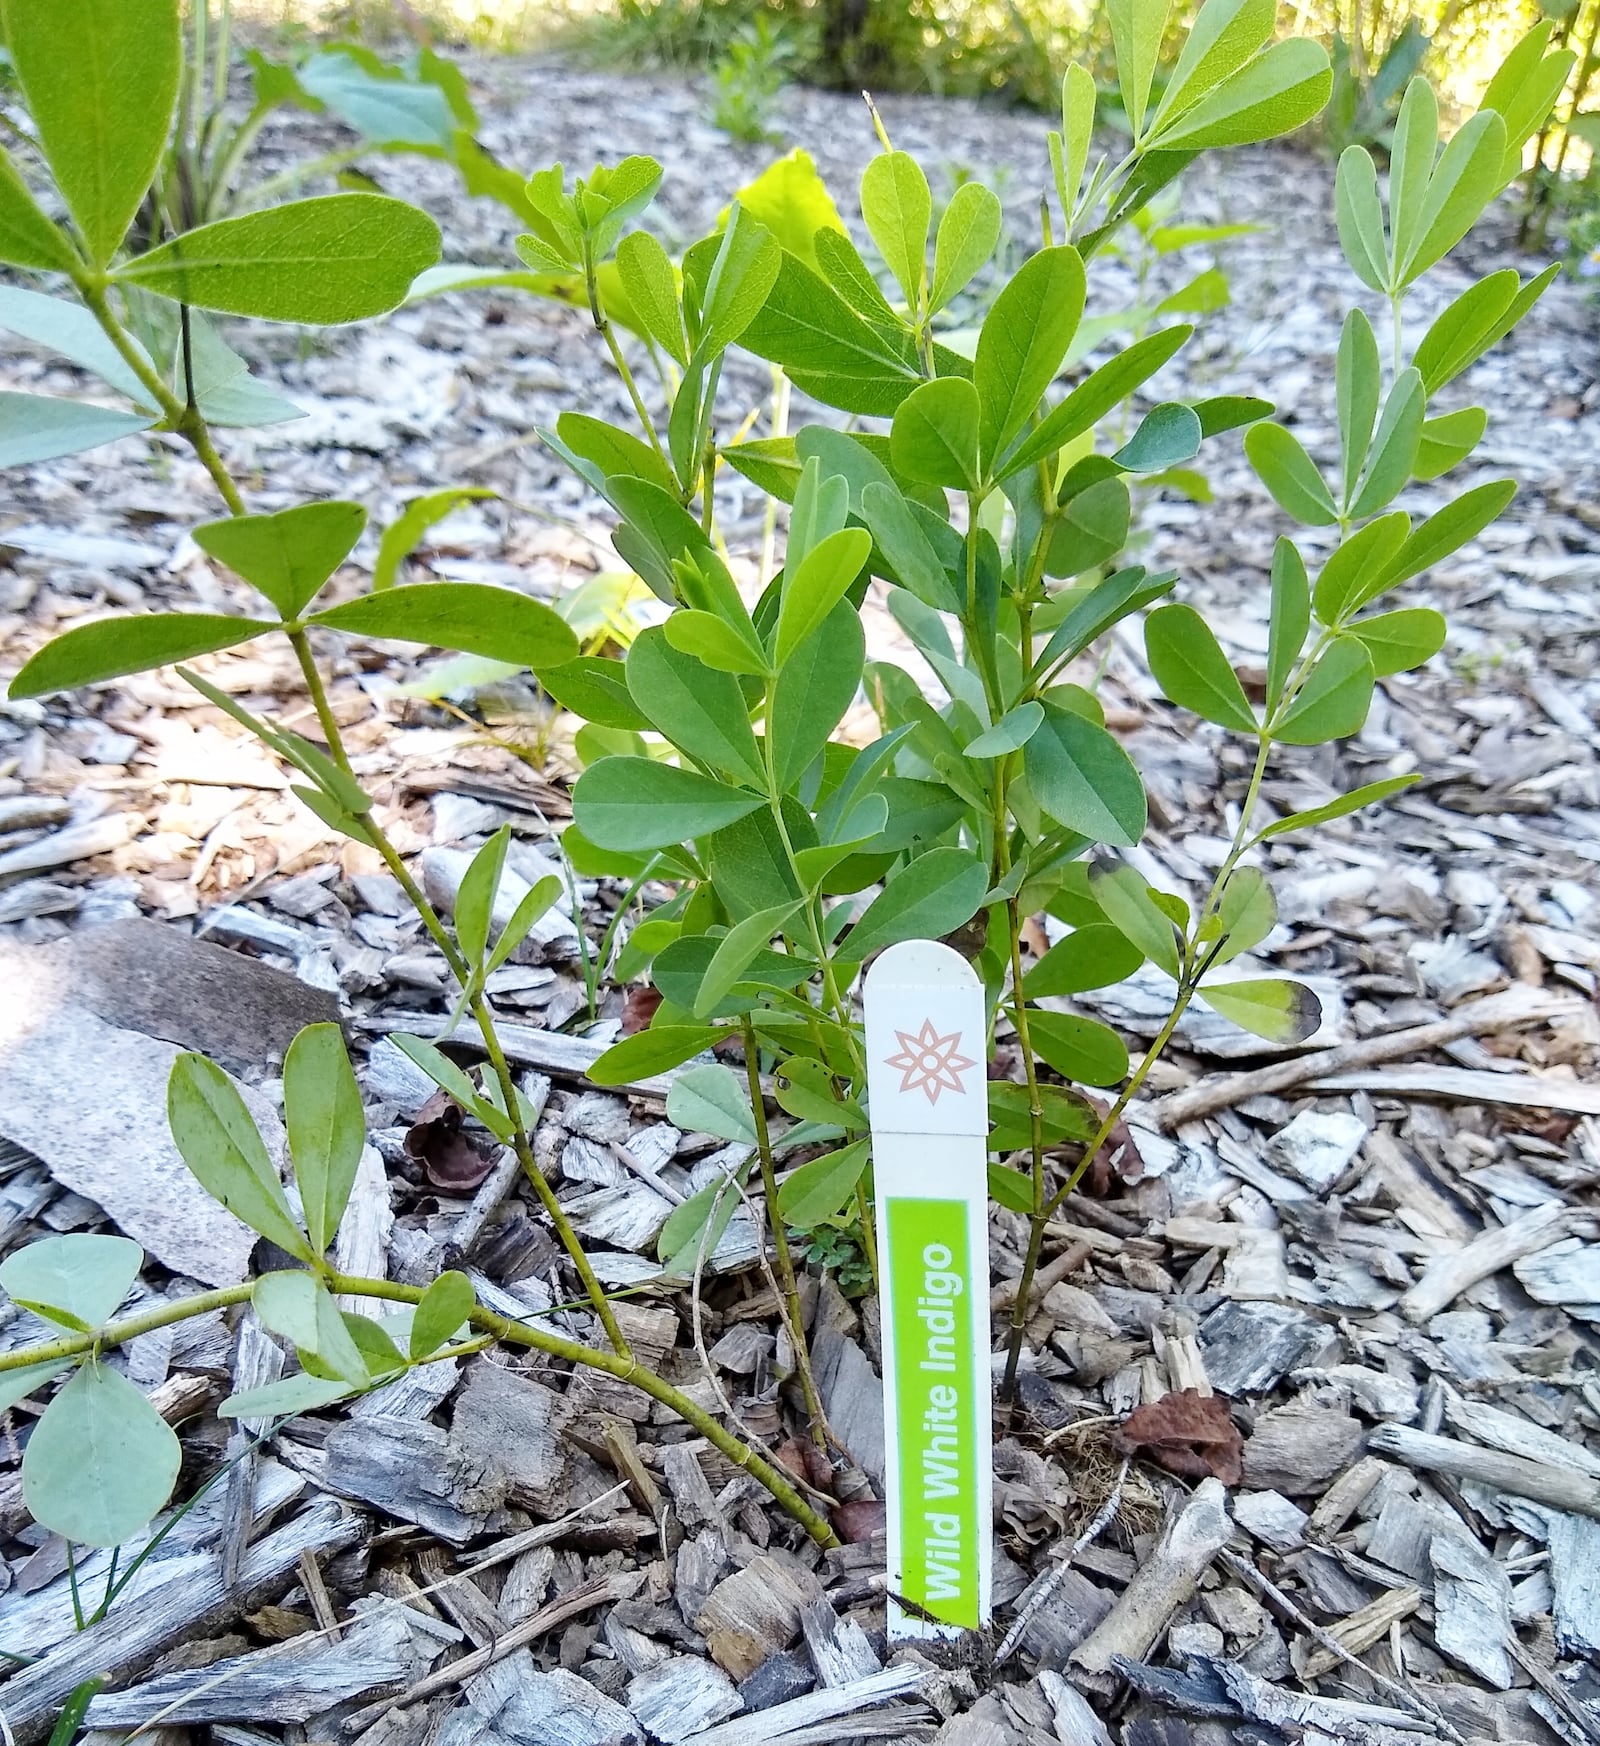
x,y
89,1099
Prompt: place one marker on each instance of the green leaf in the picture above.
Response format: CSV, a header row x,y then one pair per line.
x,y
1095,396
1224,36
1167,436
1290,617
1525,89
1014,729
792,201
1394,449
533,905
102,1461
746,267
935,435
300,1308
39,427
701,710
597,689
1334,701
101,78
806,1089
1466,179
821,507
651,284
1067,1116
933,894
815,1192
696,1227
475,617
76,1281
332,259
326,1124
301,1393
1361,217
1248,912
1398,641
1012,1189
1092,528
1083,779
1137,27
636,803
1416,141
1277,92
901,540
1480,316
1446,441
405,533
18,1384
1069,151
1357,798
1442,534
817,586
1223,412
652,1051
1022,343
111,647
224,1150
1188,664
1366,553
27,237
441,1314
1272,1007
717,643
968,233
1359,376
1080,1049
711,1100
1131,908
898,210
1288,472
735,951
288,556
818,683
480,885
449,1078
381,1356
1093,956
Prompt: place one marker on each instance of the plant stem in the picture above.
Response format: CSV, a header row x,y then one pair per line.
x,y
624,1367
780,1240
300,641
604,329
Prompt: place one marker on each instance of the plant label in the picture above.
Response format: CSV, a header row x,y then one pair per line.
x,y
928,1081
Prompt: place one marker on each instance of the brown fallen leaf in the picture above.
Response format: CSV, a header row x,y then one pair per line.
x,y
1188,1433
857,1521
436,1141
806,1461
638,1008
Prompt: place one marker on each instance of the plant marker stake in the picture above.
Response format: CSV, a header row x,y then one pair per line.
x,y
928,1083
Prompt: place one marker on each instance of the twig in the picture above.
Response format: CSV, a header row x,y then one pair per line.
x,y
1068,1261
1515,1006
1269,1591
1103,1518
627,1160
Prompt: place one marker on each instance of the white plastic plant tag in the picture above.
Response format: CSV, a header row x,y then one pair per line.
x,y
928,1082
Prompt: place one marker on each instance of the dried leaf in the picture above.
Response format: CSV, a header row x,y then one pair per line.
x,y
1188,1433
447,1156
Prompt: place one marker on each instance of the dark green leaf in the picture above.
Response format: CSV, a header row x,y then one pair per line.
x,y
1083,778
1290,617
1067,1116
1094,956
332,259
815,1192
935,435
1442,534
288,556
449,1078
636,803
1365,554
1247,912
27,237
1394,448
1447,440
1078,1048
817,685
735,951
223,1148
652,1051
1131,908
1358,375
442,1314
1167,436
902,541
1397,641
111,647
1335,699
702,711
1479,317
1188,664
1022,343
327,1127
471,616
475,899
1015,728
1010,1188
1361,217
597,689
934,894
300,1307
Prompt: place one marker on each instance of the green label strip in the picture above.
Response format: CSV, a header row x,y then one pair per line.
x,y
930,1279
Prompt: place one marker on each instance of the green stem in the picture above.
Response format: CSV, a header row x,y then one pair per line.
x,y
780,1240
604,329
624,1367
300,641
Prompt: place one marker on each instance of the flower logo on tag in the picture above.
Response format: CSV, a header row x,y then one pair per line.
x,y
930,1063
